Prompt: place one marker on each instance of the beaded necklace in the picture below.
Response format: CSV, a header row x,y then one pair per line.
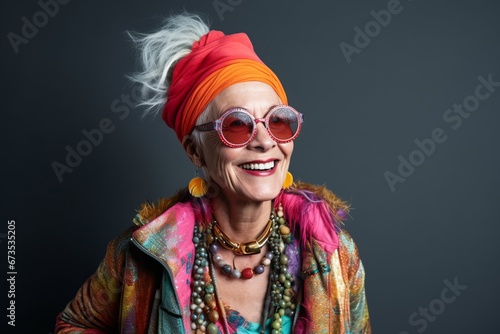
x,y
246,273
205,308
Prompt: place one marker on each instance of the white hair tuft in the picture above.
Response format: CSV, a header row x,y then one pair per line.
x,y
160,51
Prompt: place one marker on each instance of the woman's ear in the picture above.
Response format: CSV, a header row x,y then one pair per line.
x,y
193,150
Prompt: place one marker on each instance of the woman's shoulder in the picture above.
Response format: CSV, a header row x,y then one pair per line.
x,y
149,210
143,223
305,201
313,212
346,242
335,203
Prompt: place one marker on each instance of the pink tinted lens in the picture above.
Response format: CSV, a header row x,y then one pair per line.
x,y
237,127
283,123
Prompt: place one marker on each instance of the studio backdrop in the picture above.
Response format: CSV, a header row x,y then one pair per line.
x,y
402,116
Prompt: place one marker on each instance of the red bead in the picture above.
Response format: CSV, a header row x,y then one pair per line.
x,y
247,273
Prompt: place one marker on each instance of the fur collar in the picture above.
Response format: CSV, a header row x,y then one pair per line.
x,y
148,211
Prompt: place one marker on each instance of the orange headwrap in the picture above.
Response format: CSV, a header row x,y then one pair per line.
x,y
215,62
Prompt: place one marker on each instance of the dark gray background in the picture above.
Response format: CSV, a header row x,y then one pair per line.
x,y
440,224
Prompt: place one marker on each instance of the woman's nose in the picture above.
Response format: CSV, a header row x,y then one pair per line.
x,y
262,139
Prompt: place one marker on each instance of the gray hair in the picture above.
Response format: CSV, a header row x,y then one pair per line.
x,y
159,52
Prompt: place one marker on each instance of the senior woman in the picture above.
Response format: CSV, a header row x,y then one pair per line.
x,y
243,249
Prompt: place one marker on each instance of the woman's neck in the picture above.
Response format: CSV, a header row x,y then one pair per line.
x,y
241,221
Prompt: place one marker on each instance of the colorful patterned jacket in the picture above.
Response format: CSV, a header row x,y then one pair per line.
x,y
143,284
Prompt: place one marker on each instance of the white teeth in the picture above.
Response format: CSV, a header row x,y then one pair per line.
x,y
260,166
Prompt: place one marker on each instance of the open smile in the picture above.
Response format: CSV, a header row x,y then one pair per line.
x,y
260,168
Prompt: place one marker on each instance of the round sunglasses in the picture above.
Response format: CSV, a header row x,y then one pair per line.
x,y
237,127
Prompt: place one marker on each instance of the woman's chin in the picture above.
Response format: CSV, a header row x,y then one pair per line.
x,y
261,193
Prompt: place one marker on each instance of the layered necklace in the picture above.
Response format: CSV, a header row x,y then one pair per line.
x,y
206,308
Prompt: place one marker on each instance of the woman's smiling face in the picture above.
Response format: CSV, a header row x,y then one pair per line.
x,y
254,172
